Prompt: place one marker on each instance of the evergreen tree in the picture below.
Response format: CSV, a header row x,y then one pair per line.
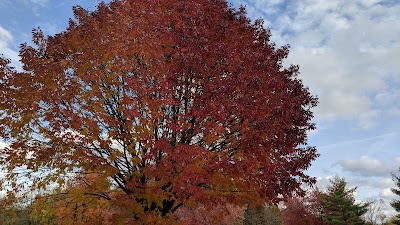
x,y
396,203
339,204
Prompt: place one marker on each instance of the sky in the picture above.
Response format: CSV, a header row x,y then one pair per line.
x,y
349,56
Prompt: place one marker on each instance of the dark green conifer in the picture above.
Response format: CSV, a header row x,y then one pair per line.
x,y
396,203
340,206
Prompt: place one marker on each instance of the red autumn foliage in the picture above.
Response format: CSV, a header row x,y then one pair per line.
x,y
306,210
171,103
219,214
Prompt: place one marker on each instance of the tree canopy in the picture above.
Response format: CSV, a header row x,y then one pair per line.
x,y
339,204
304,210
154,105
267,214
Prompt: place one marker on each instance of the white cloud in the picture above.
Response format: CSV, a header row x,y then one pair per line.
x,y
49,28
387,98
37,5
368,119
347,51
337,103
368,167
40,2
5,3
3,145
323,182
383,183
387,193
6,39
5,35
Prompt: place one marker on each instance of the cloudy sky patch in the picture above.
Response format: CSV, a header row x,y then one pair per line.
x,y
42,3
368,167
323,36
6,39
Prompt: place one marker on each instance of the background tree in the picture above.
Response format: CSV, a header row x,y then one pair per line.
x,y
304,210
219,214
12,213
376,212
396,203
391,221
169,103
340,206
268,214
75,204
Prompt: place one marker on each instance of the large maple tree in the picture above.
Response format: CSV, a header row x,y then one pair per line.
x,y
168,103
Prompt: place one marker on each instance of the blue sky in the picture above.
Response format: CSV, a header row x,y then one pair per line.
x,y
348,52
